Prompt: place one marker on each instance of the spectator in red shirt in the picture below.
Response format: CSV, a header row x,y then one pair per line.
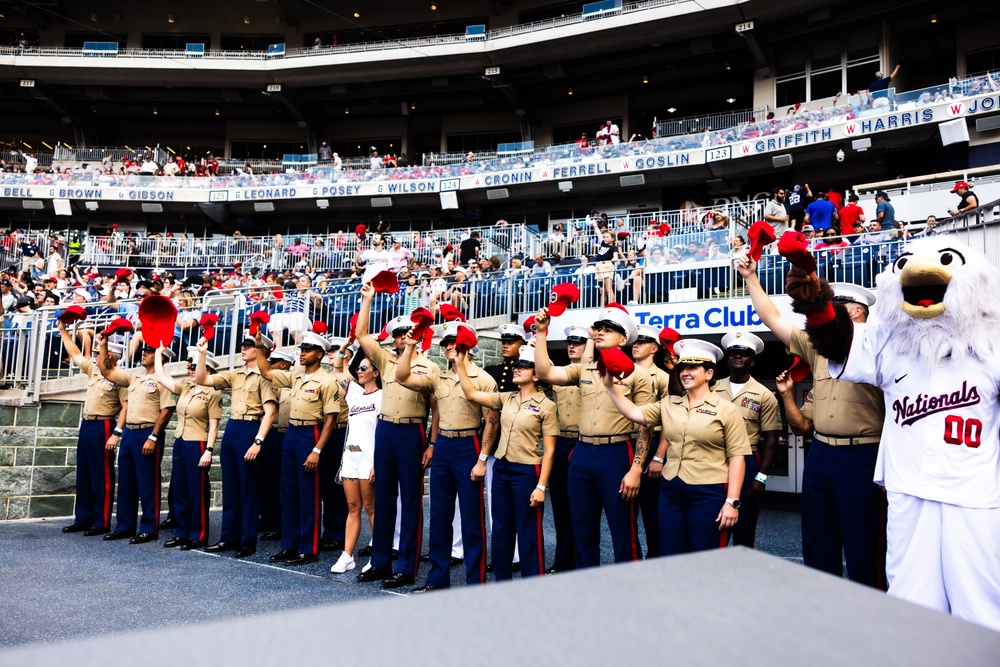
x,y
582,141
835,198
850,215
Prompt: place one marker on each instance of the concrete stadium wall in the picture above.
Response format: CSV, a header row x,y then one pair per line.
x,y
38,452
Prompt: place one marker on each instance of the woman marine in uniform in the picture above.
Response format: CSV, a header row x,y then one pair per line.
x,y
198,412
524,453
707,442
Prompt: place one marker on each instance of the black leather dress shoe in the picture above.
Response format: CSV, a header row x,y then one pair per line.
x,y
269,536
398,580
425,558
331,545
142,538
118,535
454,562
245,551
301,559
515,567
194,545
90,532
175,542
375,574
219,547
428,589
364,551
281,556
168,523
394,553
75,528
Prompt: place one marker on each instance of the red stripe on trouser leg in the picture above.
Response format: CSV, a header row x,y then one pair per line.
x,y
158,485
108,462
632,516
316,521
538,528
420,512
482,518
203,533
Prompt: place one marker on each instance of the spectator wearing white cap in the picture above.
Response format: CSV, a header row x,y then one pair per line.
x,y
269,481
645,351
512,338
399,454
522,473
759,409
459,456
100,432
567,400
314,405
705,460
841,505
458,293
199,410
606,469
251,415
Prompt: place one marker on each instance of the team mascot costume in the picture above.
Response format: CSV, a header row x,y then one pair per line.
x,y
931,345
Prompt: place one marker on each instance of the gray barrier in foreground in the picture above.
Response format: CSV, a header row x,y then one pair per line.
x,y
729,607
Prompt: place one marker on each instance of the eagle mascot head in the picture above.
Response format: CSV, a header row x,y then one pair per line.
x,y
941,299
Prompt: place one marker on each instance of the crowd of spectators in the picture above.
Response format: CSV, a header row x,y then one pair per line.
x,y
606,144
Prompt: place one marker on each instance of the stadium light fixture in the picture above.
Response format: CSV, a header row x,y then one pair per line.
x,y
246,19
671,110
357,14
933,18
170,18
93,17
645,79
569,92
731,100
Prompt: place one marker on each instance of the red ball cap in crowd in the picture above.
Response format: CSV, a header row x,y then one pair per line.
x,y
353,326
465,338
529,325
158,315
561,296
450,313
385,282
623,234
422,320
961,184
360,230
614,362
118,325
794,247
72,314
668,337
207,324
799,370
257,318
663,230
319,327
760,235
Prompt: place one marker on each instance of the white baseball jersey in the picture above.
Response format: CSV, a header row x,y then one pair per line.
x,y
362,415
940,439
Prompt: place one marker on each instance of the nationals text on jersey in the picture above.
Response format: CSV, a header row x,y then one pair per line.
x,y
924,405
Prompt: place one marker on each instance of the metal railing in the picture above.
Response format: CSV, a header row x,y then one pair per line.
x,y
320,252
356,47
34,360
35,363
714,121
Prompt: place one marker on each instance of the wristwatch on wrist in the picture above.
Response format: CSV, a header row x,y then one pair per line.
x,y
483,457
257,441
735,502
540,488
761,477
657,459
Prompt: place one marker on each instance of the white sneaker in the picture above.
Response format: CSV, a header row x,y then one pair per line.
x,y
343,564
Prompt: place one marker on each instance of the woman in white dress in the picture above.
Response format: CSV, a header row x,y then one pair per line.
x,y
364,402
